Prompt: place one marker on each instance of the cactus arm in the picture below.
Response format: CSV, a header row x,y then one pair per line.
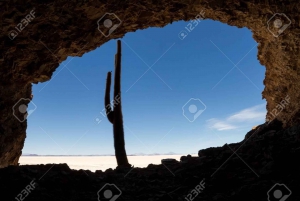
x,y
108,109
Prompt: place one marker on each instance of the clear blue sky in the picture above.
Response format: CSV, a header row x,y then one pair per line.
x,y
199,67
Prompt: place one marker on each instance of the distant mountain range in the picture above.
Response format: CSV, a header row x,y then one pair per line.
x,y
136,154
25,154
154,154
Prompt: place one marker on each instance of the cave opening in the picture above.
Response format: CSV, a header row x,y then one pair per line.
x,y
263,165
183,90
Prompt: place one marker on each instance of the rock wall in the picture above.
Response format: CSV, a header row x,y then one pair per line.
x,y
52,30
12,130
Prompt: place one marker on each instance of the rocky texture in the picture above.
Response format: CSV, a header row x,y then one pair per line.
x,y
235,172
69,28
12,131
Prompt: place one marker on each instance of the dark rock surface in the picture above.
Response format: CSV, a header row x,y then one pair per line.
x,y
241,171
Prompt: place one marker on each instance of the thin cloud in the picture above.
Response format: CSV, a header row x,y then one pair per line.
x,y
220,125
246,116
255,113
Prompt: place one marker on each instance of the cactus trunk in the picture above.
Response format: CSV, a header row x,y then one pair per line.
x,y
114,114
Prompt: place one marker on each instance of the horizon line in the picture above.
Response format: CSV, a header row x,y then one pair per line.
x,y
105,154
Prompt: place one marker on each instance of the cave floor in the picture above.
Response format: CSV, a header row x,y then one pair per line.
x,y
247,170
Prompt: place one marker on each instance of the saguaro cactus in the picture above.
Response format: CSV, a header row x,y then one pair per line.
x,y
114,114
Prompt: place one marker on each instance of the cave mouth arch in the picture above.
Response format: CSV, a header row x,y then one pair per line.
x,y
70,29
73,99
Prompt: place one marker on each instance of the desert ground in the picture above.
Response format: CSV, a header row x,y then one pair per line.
x,y
94,163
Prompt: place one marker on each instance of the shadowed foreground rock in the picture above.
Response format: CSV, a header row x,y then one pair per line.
x,y
268,155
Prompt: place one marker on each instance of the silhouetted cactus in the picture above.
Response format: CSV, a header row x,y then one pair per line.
x,y
114,114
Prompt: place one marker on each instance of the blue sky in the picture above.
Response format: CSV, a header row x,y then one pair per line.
x,y
195,74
